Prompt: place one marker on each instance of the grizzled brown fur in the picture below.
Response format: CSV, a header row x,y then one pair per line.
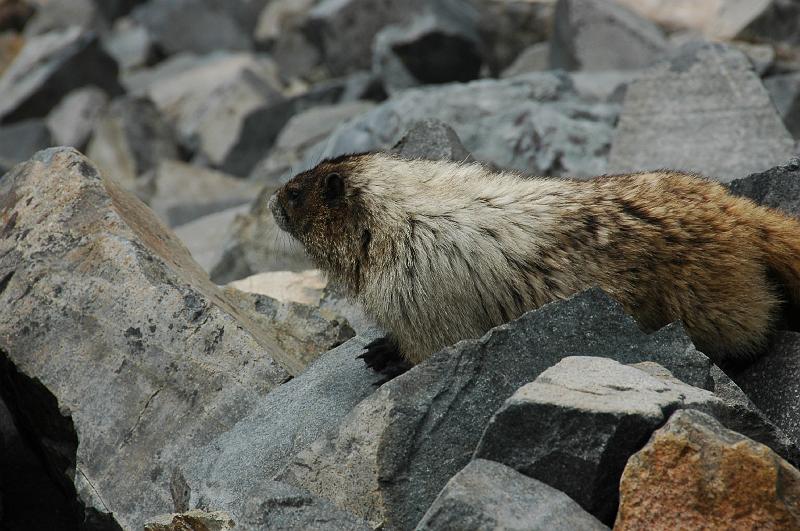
x,y
437,251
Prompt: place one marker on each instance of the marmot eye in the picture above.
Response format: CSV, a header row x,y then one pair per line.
x,y
292,195
334,186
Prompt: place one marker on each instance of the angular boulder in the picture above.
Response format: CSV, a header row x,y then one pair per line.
x,y
51,66
602,35
390,457
703,110
577,424
696,472
109,332
777,187
486,495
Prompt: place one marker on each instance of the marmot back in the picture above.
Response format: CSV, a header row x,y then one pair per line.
x,y
438,252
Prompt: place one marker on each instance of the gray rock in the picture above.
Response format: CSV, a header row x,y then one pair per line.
x,y
63,14
110,328
129,139
704,110
576,426
51,66
428,49
433,140
341,29
239,465
769,20
785,93
778,187
761,55
257,244
601,35
205,237
19,141
508,28
534,58
281,507
486,495
394,452
772,383
535,123
179,193
191,26
279,31
130,45
73,119
113,9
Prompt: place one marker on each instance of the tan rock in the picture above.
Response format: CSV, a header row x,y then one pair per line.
x,y
696,472
305,287
195,520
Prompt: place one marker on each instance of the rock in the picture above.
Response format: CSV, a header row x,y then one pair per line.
x,y
196,519
205,237
341,28
677,14
62,14
180,193
51,66
487,495
191,26
302,331
281,507
784,90
765,20
235,470
778,187
19,141
392,454
113,9
428,49
305,287
257,244
705,110
279,31
222,105
302,132
98,295
73,119
535,123
601,35
761,55
10,45
508,27
696,472
131,45
772,383
541,430
131,138
14,14
534,58
433,140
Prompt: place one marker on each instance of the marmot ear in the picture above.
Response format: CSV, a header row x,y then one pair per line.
x,y
334,187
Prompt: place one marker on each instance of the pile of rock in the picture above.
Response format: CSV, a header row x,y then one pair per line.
x,y
136,391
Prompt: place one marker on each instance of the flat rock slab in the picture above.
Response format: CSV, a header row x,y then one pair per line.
x,y
696,472
51,66
486,495
703,110
577,424
390,456
109,332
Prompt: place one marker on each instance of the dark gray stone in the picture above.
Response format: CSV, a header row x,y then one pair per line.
x,y
486,495
508,28
773,383
704,110
778,187
428,49
19,141
109,332
601,35
394,452
535,123
51,66
191,26
113,9
239,465
577,424
785,93
776,21
433,140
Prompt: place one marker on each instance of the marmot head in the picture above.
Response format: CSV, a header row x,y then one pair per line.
x,y
320,208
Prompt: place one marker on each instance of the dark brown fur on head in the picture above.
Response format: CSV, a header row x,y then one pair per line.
x,y
320,208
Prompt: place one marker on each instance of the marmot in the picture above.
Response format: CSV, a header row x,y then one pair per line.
x,y
437,252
